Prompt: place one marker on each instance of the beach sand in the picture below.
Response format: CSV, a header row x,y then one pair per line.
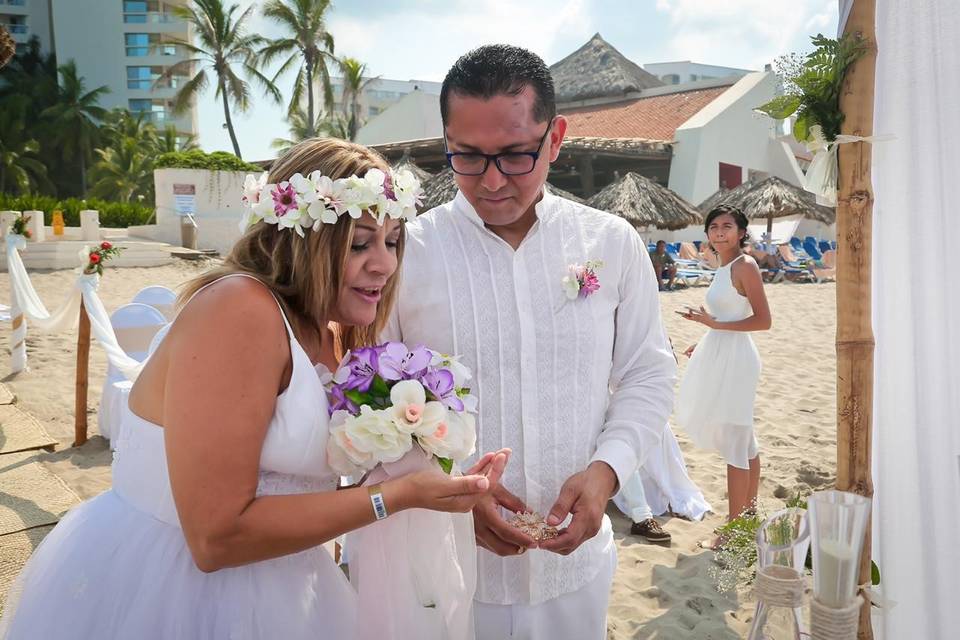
x,y
659,592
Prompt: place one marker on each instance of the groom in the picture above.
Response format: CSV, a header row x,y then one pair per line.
x,y
571,364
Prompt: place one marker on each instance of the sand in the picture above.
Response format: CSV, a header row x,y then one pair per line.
x,y
659,592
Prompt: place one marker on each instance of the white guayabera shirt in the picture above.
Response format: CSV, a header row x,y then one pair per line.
x,y
561,382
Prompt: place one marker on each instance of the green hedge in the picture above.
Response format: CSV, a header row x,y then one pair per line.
x,y
112,214
197,159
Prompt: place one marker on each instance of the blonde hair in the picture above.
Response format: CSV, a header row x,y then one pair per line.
x,y
305,274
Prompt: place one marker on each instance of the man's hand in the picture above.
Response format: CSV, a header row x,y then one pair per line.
x,y
585,495
492,531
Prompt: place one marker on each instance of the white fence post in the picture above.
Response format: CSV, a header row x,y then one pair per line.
x,y
90,225
6,219
37,232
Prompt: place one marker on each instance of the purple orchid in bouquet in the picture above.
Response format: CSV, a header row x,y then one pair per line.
x,y
388,398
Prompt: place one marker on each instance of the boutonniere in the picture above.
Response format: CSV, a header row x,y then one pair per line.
x,y
581,280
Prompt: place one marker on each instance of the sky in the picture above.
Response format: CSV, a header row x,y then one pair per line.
x,y
420,39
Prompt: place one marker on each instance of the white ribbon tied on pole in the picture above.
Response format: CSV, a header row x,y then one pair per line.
x,y
26,305
821,177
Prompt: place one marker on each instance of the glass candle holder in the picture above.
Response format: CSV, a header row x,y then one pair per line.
x,y
838,522
782,544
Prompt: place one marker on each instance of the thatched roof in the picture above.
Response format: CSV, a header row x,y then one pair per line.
x,y
557,191
643,203
777,198
406,163
598,70
708,205
442,188
438,189
7,46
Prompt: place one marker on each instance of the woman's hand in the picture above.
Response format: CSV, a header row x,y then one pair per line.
x,y
700,316
689,351
433,489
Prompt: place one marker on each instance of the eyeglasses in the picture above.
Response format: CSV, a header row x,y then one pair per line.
x,y
510,163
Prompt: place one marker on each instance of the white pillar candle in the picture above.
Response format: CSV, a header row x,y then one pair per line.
x,y
835,573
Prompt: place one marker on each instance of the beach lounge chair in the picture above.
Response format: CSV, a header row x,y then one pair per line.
x,y
824,246
829,269
134,324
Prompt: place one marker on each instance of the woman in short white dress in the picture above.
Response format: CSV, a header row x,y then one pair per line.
x,y
715,403
222,494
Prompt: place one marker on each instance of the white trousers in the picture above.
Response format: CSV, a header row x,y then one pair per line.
x,y
632,500
580,615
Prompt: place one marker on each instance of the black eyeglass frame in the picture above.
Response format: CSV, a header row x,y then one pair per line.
x,y
495,157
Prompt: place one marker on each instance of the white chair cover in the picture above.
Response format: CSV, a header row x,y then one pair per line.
x,y
160,298
134,325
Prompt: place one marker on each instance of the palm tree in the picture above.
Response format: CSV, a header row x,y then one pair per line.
x,y
353,86
221,43
308,41
333,124
125,170
169,140
19,163
75,117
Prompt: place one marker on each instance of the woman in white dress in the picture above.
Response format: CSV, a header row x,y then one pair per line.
x,y
715,402
222,494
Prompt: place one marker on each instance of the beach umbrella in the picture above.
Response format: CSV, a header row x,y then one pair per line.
x,y
438,189
713,201
406,162
7,46
644,203
775,198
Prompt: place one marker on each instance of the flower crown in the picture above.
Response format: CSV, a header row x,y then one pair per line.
x,y
308,202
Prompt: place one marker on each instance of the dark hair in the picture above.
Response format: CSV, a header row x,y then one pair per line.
x,y
661,242
500,69
738,216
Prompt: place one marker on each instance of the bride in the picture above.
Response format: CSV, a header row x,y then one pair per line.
x,y
222,494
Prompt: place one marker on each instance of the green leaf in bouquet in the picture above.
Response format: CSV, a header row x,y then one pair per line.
x,y
446,464
379,387
781,107
874,573
358,398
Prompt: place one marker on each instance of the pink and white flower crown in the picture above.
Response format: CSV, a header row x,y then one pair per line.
x,y
308,202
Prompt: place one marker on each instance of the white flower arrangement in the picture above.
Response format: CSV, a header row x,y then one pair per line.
x,y
308,202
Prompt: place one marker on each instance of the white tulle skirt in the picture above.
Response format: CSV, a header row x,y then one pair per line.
x,y
715,403
109,570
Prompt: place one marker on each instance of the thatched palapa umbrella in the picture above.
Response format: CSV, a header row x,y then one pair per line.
x,y
643,203
442,188
407,163
776,198
7,46
713,201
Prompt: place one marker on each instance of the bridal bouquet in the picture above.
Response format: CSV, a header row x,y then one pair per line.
x,y
388,398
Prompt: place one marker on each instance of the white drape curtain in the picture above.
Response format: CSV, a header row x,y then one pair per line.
x,y
64,318
916,291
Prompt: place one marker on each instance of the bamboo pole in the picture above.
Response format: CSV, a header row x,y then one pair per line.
x,y
855,342
83,361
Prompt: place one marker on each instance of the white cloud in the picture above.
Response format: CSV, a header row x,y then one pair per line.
x,y
744,33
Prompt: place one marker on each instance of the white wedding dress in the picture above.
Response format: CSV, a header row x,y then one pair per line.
x,y
118,566
715,401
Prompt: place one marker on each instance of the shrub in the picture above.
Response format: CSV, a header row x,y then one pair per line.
x,y
197,159
112,214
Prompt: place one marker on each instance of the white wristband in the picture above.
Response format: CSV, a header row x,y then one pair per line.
x,y
376,499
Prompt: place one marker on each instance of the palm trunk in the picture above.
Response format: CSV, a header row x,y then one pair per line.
x,y
83,175
855,342
311,118
226,115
